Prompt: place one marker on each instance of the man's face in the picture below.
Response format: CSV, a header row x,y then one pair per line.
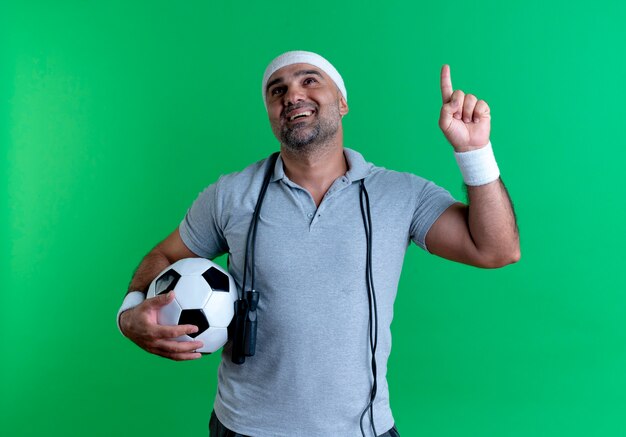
x,y
304,107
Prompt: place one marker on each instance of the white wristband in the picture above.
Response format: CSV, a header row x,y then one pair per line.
x,y
131,300
478,167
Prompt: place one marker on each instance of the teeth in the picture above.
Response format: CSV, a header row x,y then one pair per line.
x,y
300,114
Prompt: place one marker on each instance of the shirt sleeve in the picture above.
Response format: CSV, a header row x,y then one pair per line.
x,y
201,230
431,202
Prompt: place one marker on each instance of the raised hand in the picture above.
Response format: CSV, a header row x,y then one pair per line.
x,y
464,120
140,325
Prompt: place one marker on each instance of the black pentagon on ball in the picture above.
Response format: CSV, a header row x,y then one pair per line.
x,y
217,280
194,317
166,282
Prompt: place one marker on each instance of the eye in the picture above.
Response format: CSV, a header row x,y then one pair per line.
x,y
309,80
276,91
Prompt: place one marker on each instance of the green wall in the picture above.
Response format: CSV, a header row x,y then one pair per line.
x,y
114,115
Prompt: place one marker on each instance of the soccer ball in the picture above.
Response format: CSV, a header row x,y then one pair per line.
x,y
205,297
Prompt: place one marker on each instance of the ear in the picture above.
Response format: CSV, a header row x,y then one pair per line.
x,y
343,105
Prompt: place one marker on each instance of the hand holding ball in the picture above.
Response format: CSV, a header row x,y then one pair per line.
x,y
204,296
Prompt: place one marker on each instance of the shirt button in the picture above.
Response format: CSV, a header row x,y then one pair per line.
x,y
309,215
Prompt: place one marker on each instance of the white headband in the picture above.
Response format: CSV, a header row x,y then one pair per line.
x,y
301,57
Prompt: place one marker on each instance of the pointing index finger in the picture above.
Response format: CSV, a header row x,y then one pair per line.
x,y
446,84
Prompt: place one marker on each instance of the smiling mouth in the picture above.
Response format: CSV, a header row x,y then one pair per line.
x,y
299,115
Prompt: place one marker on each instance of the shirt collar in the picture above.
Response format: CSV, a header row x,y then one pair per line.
x,y
358,168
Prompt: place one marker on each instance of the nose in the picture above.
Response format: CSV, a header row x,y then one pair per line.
x,y
293,95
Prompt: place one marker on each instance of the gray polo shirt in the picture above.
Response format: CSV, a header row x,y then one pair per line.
x,y
311,373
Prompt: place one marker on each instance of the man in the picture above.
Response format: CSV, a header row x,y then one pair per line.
x,y
312,374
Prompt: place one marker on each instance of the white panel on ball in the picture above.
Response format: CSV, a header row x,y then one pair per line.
x,y
220,309
192,292
192,266
213,339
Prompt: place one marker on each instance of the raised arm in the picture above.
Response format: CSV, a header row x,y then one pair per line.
x,y
483,233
